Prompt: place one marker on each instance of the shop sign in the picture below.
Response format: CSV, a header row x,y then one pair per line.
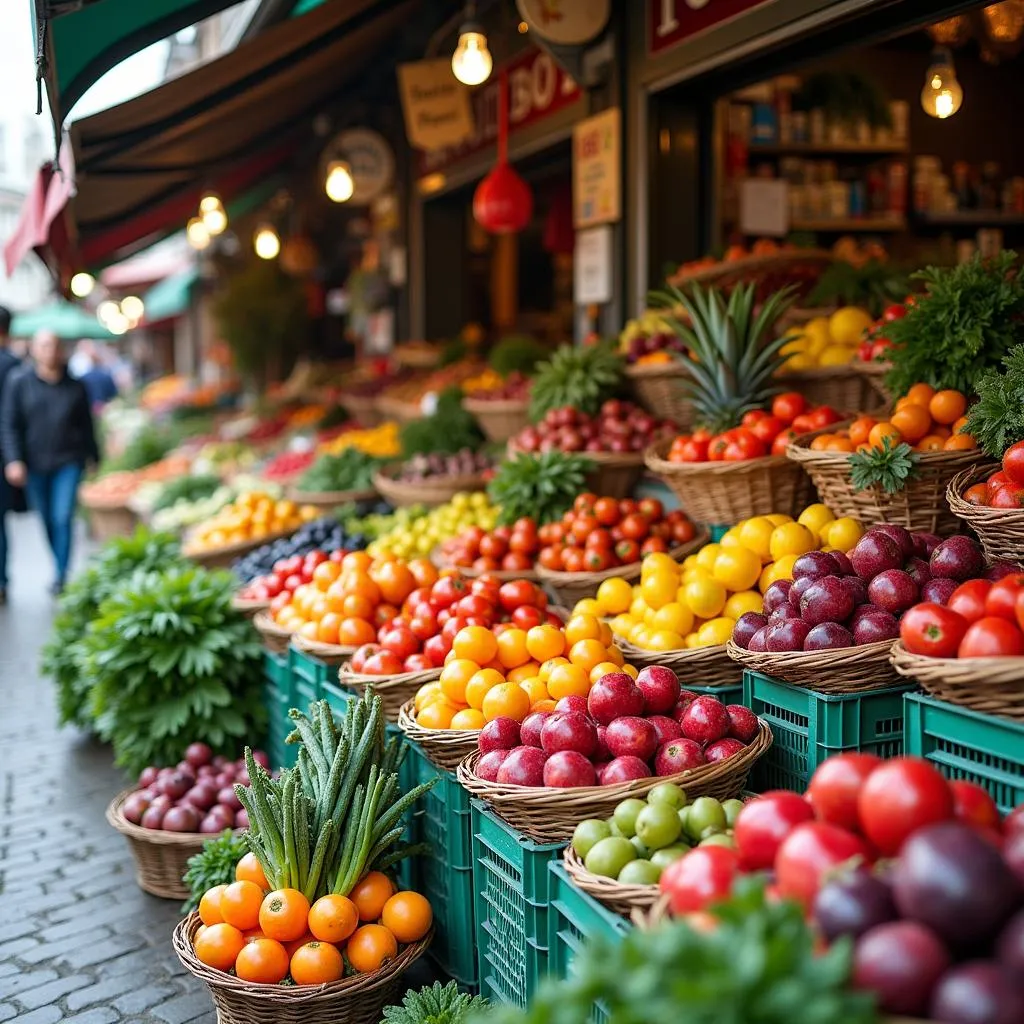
x,y
565,22
592,266
596,169
370,157
537,88
672,21
435,103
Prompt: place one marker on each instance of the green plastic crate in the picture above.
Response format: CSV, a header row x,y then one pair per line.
x,y
574,919
442,819
810,726
338,698
276,672
308,676
964,744
512,890
726,694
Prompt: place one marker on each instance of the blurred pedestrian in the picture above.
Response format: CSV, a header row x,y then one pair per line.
x,y
99,382
47,438
7,363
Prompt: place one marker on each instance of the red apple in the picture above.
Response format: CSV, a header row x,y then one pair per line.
x,y
721,749
569,732
666,728
499,734
490,763
743,723
632,737
678,756
624,769
705,720
614,695
524,766
529,731
568,769
574,703
602,753
660,688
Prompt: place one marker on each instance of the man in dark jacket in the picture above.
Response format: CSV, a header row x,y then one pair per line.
x,y
7,363
47,437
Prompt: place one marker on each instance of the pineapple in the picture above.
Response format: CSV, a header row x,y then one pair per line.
x,y
734,359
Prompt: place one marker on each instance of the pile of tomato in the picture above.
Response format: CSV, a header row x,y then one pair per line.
x,y
507,548
875,347
1004,488
761,432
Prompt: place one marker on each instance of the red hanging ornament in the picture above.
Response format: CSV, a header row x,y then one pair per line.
x,y
503,203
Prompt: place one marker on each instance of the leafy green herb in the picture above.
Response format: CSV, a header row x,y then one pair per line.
x,y
874,285
889,467
580,376
449,429
349,470
967,322
759,965
149,445
997,420
213,865
186,488
517,353
173,663
543,486
439,1004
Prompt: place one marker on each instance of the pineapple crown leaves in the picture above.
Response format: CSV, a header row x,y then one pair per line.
x,y
889,467
580,376
438,1004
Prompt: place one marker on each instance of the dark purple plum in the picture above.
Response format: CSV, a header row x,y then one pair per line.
x,y
777,595
978,992
925,544
957,558
902,536
800,588
746,626
1010,947
786,636
893,591
757,641
874,553
813,564
858,589
853,902
843,563
917,569
828,636
938,591
900,961
826,600
998,570
875,626
787,611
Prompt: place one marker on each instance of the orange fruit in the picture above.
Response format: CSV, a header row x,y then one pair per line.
x,y
921,394
370,894
476,643
545,642
960,425
219,945
570,680
582,627
209,905
370,947
408,916
512,650
588,653
316,963
549,666
544,705
454,677
913,422
480,685
947,406
881,430
535,689
262,960
248,869
860,428
468,718
240,904
931,443
525,671
283,914
438,714
333,918
427,694
959,443
839,444
506,700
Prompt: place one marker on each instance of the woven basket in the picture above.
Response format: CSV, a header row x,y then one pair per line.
x,y
359,999
658,389
875,374
836,386
622,899
224,557
570,587
773,267
614,475
399,409
701,666
329,654
728,492
921,505
499,418
394,691
1000,530
363,409
551,815
844,670
160,857
275,638
445,747
330,499
991,686
107,522
249,607
431,492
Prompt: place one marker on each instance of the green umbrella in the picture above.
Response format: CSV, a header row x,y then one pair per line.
x,y
65,319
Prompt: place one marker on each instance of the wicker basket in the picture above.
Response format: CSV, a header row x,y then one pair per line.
x,y
622,899
701,666
418,357
224,557
275,638
445,747
249,607
107,522
875,374
431,492
772,268
551,815
160,857
330,499
658,388
614,475
394,691
729,492
991,686
329,654
843,670
1000,530
499,418
363,409
921,505
399,409
836,386
359,999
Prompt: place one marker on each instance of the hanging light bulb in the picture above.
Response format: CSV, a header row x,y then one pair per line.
x,y
197,233
118,323
266,242
82,284
216,220
472,62
941,96
339,184
209,202
132,307
106,311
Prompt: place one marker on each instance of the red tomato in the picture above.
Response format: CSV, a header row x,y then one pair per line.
x,y
474,605
607,511
767,428
627,551
764,823
277,603
436,649
1018,610
652,509
273,583
653,544
361,655
447,590
1001,600
933,630
314,558
1007,496
423,626
973,805
899,797
487,586
383,663
992,638
880,349
864,351
788,406
527,616
745,445
894,312
804,423
418,663
810,852
780,442
752,417
634,526
1013,462
596,561
717,447
599,540
995,481
835,786
823,416
968,599
700,877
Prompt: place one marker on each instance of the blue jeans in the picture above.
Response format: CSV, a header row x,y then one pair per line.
x,y
53,496
5,504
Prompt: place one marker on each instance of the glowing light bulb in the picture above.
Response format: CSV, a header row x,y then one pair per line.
x,y
472,62
216,220
339,184
118,323
211,201
198,233
132,307
82,284
942,95
106,311
266,242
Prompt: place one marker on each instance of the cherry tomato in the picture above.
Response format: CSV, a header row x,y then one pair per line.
x,y
788,406
764,823
653,544
783,439
810,852
627,551
447,590
1001,600
607,511
717,447
997,480
436,648
526,616
700,877
823,416
969,599
899,797
634,526
754,416
652,509
864,351
836,785
745,445
973,805
992,638
894,312
933,630
1013,462
1007,496
767,428
597,561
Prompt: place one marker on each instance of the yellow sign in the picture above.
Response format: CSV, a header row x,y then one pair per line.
x,y
435,103
597,169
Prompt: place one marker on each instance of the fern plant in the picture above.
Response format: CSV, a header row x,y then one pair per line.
x,y
579,376
439,1004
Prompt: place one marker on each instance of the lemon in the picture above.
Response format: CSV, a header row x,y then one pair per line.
x,y
815,518
778,519
715,632
781,569
817,334
756,534
743,602
659,589
658,561
614,596
664,640
738,568
847,325
590,606
791,539
843,533
674,616
836,355
705,597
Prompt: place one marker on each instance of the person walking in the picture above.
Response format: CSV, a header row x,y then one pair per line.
x,y
8,361
47,437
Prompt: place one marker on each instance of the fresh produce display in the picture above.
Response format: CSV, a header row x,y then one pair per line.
x,y
195,795
287,465
539,486
413,536
508,548
618,427
520,663
1003,488
760,433
827,341
119,486
576,377
611,730
251,516
186,512
381,442
643,837
224,457
349,470
836,600
997,418
464,462
448,429
492,387
699,603
650,341
214,864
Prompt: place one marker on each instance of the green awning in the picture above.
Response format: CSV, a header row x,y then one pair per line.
x,y
65,319
170,297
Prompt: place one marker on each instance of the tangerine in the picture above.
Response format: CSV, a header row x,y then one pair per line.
x,y
408,916
370,894
370,947
333,918
219,945
262,960
316,963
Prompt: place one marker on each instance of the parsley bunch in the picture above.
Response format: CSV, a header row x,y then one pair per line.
x,y
213,865
889,467
997,420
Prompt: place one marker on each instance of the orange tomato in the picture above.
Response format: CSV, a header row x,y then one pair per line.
x,y
912,421
480,684
262,960
959,443
569,681
283,914
395,580
602,669
506,700
219,946
329,628
325,574
476,643
240,904
947,406
921,394
424,572
209,905
333,918
521,672
438,714
839,444
356,606
309,630
821,442
361,583
582,627
355,632
535,688
427,694
860,428
408,916
468,718
882,430
960,426
370,947
370,894
454,678
512,650
545,642
316,963
588,653
931,443
977,494
544,705
248,869
356,561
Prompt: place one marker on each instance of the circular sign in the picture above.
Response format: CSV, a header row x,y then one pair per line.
x,y
370,157
565,22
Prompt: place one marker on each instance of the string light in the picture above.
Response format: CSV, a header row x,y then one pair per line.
x,y
339,184
82,284
266,242
132,307
198,233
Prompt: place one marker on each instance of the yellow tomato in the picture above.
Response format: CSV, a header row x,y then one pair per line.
x,y
791,539
737,568
614,596
591,606
638,605
704,597
707,555
582,627
657,561
674,616
569,681
778,518
756,534
715,632
622,624
843,534
815,517
659,589
743,602
781,569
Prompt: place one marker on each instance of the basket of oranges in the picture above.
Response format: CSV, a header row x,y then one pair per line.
x,y
894,470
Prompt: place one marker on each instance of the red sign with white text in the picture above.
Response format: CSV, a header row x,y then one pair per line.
x,y
537,88
672,21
